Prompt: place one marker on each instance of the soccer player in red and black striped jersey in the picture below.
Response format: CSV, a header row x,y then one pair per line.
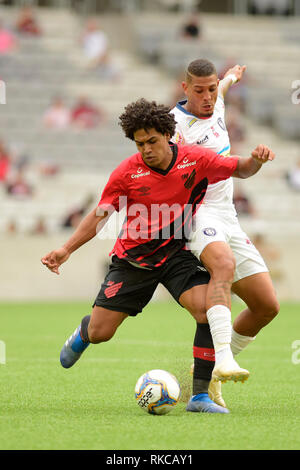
x,y
161,186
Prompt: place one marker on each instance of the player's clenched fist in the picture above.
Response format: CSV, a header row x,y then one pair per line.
x,y
55,258
262,154
237,70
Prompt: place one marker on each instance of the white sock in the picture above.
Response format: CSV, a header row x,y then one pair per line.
x,y
239,342
219,319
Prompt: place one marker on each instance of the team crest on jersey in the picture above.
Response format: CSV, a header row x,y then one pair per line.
x,y
190,181
209,231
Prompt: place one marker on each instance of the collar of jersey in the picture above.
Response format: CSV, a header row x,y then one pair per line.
x,y
174,149
179,106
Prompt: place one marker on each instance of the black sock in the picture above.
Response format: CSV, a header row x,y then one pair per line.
x,y
204,358
84,328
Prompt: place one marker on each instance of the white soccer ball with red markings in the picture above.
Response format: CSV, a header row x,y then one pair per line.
x,y
157,392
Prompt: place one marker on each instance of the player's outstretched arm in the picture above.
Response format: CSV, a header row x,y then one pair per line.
x,y
247,167
231,77
85,231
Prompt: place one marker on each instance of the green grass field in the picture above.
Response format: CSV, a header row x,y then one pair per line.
x,y
92,405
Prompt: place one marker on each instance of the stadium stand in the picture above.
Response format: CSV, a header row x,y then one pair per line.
x,y
51,65
149,55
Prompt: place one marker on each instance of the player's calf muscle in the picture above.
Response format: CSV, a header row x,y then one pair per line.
x,y
100,335
103,324
219,293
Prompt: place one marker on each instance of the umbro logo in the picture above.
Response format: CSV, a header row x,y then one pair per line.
x,y
144,190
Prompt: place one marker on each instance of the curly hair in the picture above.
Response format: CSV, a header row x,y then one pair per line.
x,y
144,114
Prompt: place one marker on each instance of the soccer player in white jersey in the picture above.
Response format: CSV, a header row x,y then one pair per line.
x,y
218,240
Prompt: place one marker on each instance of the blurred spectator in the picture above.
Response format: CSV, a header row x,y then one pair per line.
x,y
192,28
5,163
96,50
48,168
57,116
293,177
270,7
8,42
95,44
74,218
242,203
40,227
19,186
85,115
26,23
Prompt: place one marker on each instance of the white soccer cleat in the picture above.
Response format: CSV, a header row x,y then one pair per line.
x,y
229,369
215,392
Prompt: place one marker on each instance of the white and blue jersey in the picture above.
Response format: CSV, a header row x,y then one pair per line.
x,y
210,133
216,219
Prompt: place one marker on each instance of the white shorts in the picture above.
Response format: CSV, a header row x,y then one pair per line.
x,y
212,227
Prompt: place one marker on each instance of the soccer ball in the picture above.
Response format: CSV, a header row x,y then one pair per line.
x,y
157,392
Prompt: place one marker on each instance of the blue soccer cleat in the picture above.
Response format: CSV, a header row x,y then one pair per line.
x,y
72,349
201,403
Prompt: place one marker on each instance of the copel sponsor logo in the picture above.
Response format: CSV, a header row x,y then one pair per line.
x,y
186,163
140,173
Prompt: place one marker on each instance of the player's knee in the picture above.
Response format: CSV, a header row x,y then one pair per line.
x,y
271,310
223,267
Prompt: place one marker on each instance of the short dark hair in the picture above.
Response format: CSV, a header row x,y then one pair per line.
x,y
143,114
201,68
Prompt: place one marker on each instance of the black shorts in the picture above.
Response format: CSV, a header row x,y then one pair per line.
x,y
128,288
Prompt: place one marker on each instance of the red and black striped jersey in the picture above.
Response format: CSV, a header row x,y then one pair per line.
x,y
160,203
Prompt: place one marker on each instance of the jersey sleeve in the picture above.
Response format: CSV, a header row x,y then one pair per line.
x,y
178,137
114,191
216,167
